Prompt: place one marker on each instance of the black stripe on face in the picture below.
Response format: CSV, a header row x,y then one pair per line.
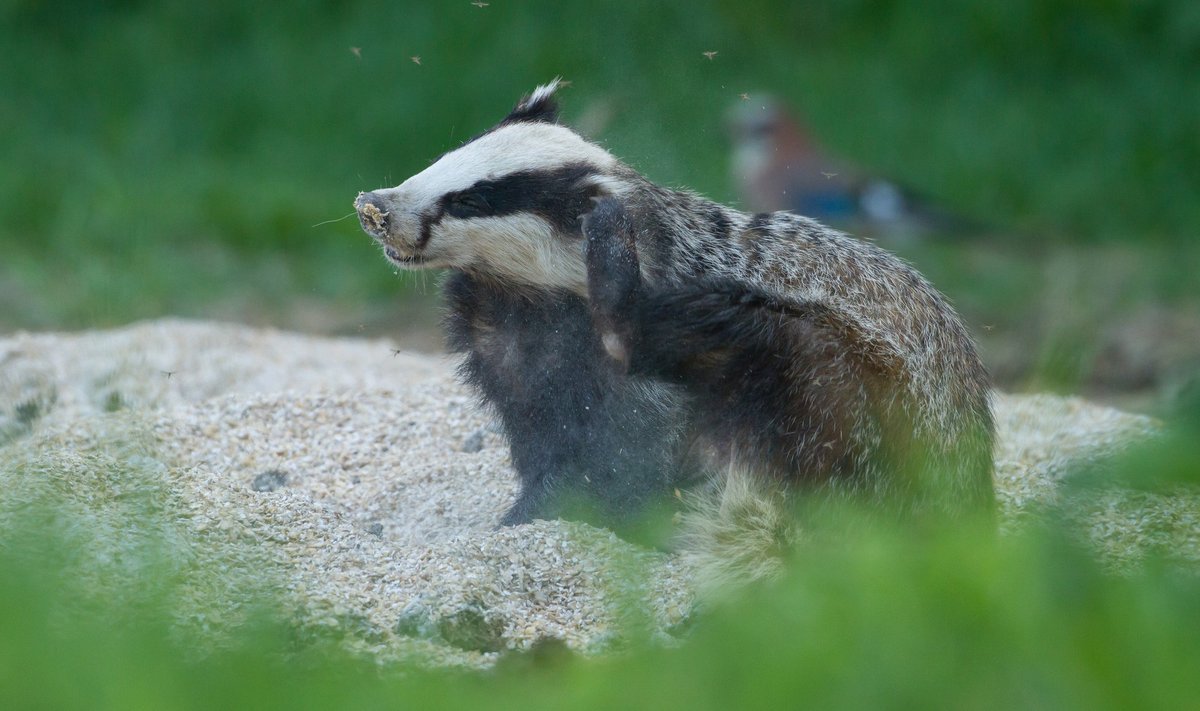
x,y
427,223
555,195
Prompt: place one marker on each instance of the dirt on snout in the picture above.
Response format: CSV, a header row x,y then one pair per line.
x,y
372,218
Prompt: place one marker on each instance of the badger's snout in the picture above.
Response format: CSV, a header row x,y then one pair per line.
x,y
372,213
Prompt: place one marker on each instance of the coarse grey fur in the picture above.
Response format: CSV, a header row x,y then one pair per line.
x,y
635,339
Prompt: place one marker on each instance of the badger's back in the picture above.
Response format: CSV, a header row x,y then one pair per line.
x,y
929,370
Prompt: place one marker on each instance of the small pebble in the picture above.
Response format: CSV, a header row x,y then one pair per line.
x,y
474,442
416,620
269,480
471,629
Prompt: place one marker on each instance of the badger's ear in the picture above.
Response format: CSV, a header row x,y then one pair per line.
x,y
538,106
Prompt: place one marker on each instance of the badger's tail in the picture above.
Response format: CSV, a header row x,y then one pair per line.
x,y
736,530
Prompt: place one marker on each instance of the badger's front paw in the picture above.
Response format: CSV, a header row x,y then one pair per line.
x,y
614,276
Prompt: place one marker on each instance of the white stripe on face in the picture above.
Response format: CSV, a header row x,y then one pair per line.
x,y
520,248
508,149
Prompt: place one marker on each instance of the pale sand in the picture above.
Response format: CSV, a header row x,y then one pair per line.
x,y
359,489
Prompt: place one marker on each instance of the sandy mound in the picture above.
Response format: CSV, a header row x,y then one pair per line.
x,y
360,487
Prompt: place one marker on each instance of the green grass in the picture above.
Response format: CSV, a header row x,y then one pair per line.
x,y
886,620
866,616
174,157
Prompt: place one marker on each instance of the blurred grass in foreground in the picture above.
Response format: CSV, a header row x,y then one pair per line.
x,y
889,619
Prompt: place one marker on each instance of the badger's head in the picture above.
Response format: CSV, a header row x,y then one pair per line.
x,y
506,204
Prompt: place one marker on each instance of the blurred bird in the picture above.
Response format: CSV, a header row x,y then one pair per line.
x,y
779,165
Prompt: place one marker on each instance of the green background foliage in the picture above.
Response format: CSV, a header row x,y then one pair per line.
x,y
174,157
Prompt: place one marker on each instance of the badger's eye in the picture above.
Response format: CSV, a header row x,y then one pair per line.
x,y
468,204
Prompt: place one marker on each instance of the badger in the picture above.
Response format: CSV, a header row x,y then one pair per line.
x,y
635,341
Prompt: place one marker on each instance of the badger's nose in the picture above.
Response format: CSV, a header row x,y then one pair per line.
x,y
372,213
